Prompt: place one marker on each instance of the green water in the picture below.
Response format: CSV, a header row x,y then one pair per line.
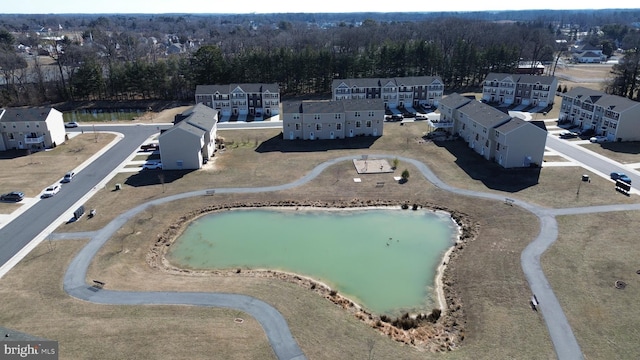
x,y
383,259
101,115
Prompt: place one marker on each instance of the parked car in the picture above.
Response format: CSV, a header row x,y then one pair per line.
x,y
152,165
598,139
71,124
396,117
51,191
68,177
620,176
421,117
14,196
568,135
150,147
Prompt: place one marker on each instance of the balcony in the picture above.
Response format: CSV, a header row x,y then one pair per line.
x,y
34,140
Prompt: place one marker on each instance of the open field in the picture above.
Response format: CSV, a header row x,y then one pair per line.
x,y
486,275
33,173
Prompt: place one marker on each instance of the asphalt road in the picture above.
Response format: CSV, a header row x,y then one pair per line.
x,y
589,159
18,233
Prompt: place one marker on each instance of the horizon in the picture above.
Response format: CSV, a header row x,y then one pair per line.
x,y
159,7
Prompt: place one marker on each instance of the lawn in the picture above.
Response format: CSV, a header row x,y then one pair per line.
x,y
485,276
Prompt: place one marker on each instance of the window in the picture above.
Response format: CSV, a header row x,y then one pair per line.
x,y
464,126
498,147
476,137
11,136
357,114
368,124
338,126
297,126
358,124
316,117
318,127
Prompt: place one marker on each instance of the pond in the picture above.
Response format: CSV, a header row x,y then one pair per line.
x,y
92,115
383,259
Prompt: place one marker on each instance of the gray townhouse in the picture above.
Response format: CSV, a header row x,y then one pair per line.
x,y
255,100
615,117
191,140
495,135
327,119
398,92
516,89
31,128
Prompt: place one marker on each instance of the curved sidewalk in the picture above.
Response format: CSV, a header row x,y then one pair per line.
x,y
276,329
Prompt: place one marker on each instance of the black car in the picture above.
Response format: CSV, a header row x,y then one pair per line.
x,y
12,196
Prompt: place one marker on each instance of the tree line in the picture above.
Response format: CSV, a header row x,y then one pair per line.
x,y
103,64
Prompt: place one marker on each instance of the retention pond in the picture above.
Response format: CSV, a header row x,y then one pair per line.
x,y
383,259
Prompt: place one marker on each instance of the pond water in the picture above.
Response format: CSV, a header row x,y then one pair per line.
x,y
101,114
383,259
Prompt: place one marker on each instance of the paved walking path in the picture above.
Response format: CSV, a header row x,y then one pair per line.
x,y
274,325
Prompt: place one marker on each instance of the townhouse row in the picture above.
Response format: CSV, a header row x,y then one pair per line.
x,y
614,117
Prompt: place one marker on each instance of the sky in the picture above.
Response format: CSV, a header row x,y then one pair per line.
x,y
294,6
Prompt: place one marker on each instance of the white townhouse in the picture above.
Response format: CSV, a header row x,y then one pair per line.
x,y
616,117
325,119
511,142
191,139
255,100
31,128
516,89
398,92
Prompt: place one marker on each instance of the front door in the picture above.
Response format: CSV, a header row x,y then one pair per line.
x,y
290,135
331,135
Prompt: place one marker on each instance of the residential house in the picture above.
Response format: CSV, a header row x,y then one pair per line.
x,y
448,109
31,128
325,119
516,89
588,54
616,117
511,142
255,100
400,92
191,140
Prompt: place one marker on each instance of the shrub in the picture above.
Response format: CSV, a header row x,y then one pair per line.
x,y
405,175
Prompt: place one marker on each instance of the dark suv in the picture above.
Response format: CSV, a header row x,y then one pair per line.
x,y
12,196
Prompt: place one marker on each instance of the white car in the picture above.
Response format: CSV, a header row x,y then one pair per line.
x,y
598,139
51,191
152,165
71,124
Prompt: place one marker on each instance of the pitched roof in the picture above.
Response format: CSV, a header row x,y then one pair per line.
x,y
330,106
521,78
228,88
24,114
454,101
484,115
380,82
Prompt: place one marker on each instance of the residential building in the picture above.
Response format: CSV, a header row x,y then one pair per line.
x,y
516,89
325,119
254,100
495,135
588,53
399,92
616,117
31,128
191,140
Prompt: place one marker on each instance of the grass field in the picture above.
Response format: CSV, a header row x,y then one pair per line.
x,y
582,266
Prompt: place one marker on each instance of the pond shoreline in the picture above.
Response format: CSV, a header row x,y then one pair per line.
x,y
443,334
